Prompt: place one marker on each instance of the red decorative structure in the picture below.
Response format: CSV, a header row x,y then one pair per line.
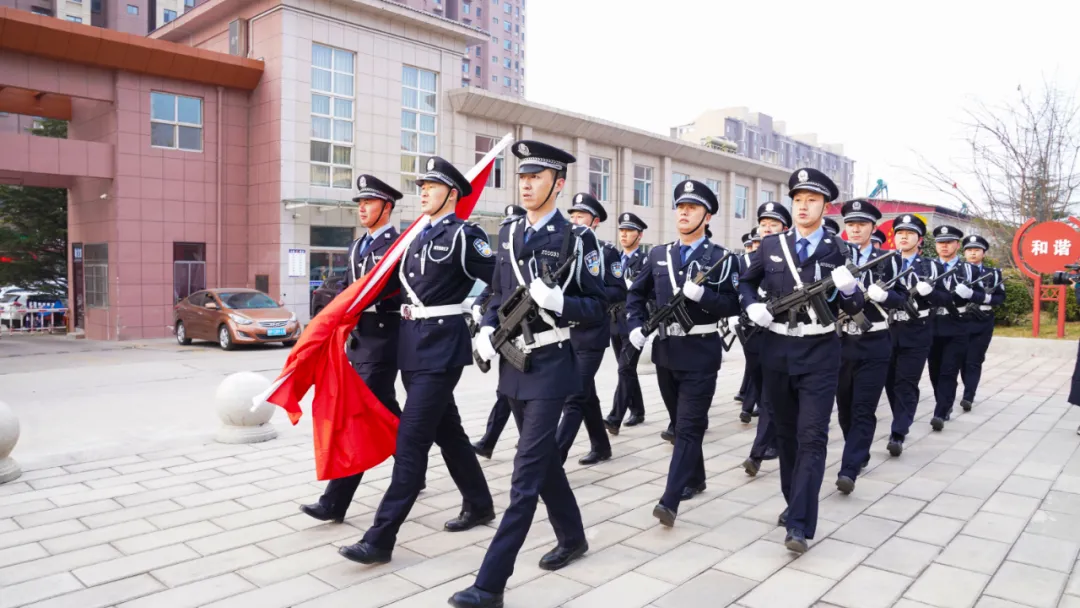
x,y
1042,249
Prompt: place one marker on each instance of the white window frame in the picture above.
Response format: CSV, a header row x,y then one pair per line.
x,y
714,185
603,176
73,19
643,197
411,159
96,275
765,196
176,123
165,15
507,7
129,9
742,201
338,173
497,177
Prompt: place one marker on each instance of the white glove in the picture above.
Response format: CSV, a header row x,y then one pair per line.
x,y
759,314
844,281
693,290
986,300
550,298
964,291
923,288
877,294
637,339
487,330
733,323
484,348
476,316
628,283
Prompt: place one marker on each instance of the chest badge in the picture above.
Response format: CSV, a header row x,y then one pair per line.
x,y
776,258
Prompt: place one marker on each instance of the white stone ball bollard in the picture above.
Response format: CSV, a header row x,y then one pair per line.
x,y
9,436
240,424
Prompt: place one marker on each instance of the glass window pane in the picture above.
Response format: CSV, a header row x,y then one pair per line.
x,y
409,76
320,104
162,135
162,106
408,141
408,119
320,175
342,108
190,138
427,80
321,56
408,97
594,164
427,125
408,184
427,144
343,61
639,172
320,152
408,163
343,155
342,177
320,80
343,85
331,236
189,110
343,130
320,127
427,102
483,144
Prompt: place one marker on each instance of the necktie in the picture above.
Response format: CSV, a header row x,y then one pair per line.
x,y
684,250
364,244
858,257
624,260
802,250
528,233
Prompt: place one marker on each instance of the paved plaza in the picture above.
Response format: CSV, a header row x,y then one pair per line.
x,y
126,501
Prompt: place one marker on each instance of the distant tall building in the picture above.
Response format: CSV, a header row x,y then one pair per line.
x,y
758,136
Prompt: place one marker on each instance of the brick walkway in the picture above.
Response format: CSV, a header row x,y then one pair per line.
x,y
985,514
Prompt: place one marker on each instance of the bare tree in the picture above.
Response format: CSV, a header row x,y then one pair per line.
x,y
1022,164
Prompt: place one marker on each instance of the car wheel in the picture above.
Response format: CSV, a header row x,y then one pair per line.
x,y
181,334
225,338
289,343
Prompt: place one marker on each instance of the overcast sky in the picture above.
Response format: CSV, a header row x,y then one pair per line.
x,y
886,80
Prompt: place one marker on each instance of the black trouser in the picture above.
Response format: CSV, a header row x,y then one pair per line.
x,y
693,392
744,388
971,372
902,381
584,405
628,391
946,359
857,394
380,378
500,413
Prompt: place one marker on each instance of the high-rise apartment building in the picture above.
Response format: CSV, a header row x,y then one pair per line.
x,y
760,137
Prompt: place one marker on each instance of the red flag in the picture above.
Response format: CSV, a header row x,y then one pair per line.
x,y
886,228
353,431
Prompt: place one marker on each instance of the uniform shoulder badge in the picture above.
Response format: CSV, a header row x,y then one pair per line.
x,y
616,269
734,279
482,247
592,263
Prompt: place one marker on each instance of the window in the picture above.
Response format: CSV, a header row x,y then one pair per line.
x,y
465,8
332,236
465,68
189,269
478,51
642,186
73,19
477,70
506,62
494,79
484,144
37,10
419,109
517,28
332,93
517,47
765,196
479,12
506,44
132,9
714,185
169,15
175,122
506,26
494,21
507,8
494,59
506,81
96,274
517,11
742,193
189,3
599,177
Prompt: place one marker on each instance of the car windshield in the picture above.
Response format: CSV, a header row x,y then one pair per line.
x,y
9,298
240,300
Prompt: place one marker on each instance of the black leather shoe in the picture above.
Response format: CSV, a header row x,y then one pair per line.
x,y
782,519
595,457
966,404
612,427
321,513
845,484
469,520
480,450
751,467
738,398
476,598
664,514
795,541
745,417
895,447
937,424
692,491
770,454
865,463
668,435
634,420
560,557
755,413
364,553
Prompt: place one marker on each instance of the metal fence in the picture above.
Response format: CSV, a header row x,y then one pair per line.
x,y
35,317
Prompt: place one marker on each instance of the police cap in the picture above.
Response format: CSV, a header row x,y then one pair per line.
x,y
946,234
910,222
878,237
815,181
438,169
693,191
775,211
831,226
535,156
860,210
629,221
976,242
583,201
373,187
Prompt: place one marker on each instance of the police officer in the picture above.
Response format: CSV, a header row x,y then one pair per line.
x,y
500,412
911,335
589,341
434,276
878,239
687,362
372,346
773,218
749,244
951,333
804,360
831,226
988,293
543,241
866,349
628,391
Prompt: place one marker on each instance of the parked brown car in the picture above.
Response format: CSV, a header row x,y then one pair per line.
x,y
232,317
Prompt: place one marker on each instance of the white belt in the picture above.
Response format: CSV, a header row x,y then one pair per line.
x,y
985,307
676,330
802,329
373,309
851,328
945,311
901,315
413,312
544,338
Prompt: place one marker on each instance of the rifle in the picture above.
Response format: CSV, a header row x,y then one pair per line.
x,y
676,307
812,297
616,309
972,308
910,306
727,337
860,319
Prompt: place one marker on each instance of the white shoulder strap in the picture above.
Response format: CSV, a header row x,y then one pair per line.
x,y
671,268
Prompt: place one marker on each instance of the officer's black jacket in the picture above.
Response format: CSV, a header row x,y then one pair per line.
x,y
376,333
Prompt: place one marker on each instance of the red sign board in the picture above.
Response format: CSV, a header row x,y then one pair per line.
x,y
1048,247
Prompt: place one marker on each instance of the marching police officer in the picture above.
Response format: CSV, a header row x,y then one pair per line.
x,y
951,333
687,362
878,239
804,358
528,248
990,292
435,275
500,412
911,335
773,218
865,349
628,391
372,346
589,341
831,226
749,244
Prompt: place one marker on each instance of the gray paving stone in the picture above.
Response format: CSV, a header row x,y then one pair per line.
x,y
707,590
213,565
344,574
947,587
682,563
631,590
123,567
789,588
1013,505
758,561
384,590
187,516
108,594
438,570
867,531
63,513
20,536
992,526
1026,486
55,564
212,496
96,536
164,538
1038,587
119,516
896,508
610,563
21,553
868,588
296,564
903,556
35,590
285,594
1045,552
954,506
831,558
193,595
240,537
735,534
